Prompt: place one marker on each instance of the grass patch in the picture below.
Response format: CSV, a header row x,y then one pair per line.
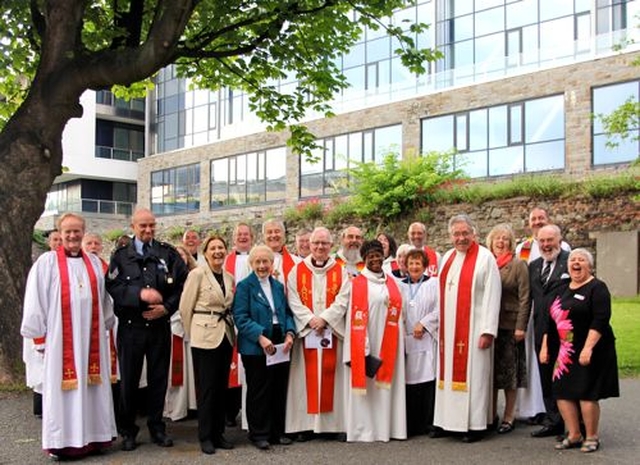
x,y
625,319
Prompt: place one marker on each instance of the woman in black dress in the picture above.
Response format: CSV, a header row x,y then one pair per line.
x,y
586,369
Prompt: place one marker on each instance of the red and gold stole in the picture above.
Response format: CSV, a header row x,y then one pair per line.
x,y
463,319
525,250
304,281
432,269
359,266
69,373
359,320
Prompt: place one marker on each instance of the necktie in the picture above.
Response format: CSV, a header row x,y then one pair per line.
x,y
544,276
145,248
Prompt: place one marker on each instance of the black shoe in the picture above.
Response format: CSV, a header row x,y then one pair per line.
x,y
162,440
547,431
282,440
471,436
222,443
341,437
438,432
304,436
128,443
537,419
261,444
506,427
231,423
207,447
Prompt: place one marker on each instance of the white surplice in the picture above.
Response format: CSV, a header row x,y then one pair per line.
x,y
297,418
420,304
77,417
472,409
180,399
380,414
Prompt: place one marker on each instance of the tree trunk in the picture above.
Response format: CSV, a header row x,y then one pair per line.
x,y
31,158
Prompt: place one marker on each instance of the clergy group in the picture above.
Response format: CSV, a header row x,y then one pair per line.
x,y
347,339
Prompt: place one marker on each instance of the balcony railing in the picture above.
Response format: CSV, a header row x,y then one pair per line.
x,y
118,154
103,207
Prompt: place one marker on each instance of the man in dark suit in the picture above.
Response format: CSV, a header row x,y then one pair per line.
x,y
548,278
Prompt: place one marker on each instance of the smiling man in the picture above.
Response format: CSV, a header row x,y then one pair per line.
x,y
469,296
274,236
318,295
145,280
65,304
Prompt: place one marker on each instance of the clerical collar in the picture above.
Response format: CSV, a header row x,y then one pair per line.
x,y
70,254
318,264
241,253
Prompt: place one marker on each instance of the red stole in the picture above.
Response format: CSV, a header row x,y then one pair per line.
x,y
177,360
234,374
287,264
69,373
432,268
463,319
325,386
359,321
525,250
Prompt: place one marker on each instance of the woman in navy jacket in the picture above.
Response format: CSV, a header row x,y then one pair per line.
x,y
264,320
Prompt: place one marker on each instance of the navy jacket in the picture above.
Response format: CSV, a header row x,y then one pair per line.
x,y
253,316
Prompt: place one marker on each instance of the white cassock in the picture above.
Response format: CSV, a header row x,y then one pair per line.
x,y
420,305
529,401
33,365
76,417
380,414
471,409
297,418
180,399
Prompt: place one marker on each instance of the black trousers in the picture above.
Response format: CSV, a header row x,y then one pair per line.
x,y
266,394
134,344
211,372
420,407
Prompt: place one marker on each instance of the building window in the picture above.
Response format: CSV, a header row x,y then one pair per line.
x,y
329,174
605,100
119,141
249,178
506,139
176,190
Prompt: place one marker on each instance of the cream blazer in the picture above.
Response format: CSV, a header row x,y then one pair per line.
x,y
202,293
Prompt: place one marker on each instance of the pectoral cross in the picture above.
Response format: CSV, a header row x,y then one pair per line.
x,y
451,283
460,345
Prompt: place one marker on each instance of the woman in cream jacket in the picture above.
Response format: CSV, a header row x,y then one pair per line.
x,y
205,308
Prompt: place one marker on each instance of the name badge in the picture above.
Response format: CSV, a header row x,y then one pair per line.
x,y
578,296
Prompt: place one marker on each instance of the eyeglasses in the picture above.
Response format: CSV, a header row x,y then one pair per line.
x,y
321,243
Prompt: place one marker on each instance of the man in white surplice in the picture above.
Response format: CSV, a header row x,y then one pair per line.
x,y
67,311
470,292
318,294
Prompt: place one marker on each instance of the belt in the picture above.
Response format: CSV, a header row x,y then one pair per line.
x,y
221,315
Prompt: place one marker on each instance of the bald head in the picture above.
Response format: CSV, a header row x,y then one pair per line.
x,y
143,223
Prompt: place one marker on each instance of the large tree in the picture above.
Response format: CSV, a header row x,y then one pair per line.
x,y
54,50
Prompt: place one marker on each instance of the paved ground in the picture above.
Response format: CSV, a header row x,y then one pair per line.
x,y
620,435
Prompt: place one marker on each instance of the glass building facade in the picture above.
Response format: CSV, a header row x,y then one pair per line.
x,y
482,41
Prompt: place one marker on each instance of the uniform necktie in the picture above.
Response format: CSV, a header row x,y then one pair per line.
x,y
546,271
145,248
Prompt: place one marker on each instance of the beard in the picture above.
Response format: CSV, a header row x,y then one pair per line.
x,y
352,255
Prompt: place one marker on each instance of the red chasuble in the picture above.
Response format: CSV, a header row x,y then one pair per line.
x,y
359,321
325,386
69,373
463,319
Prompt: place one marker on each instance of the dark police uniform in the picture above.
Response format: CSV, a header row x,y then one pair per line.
x,y
160,268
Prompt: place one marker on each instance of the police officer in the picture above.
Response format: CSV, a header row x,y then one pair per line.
x,y
145,280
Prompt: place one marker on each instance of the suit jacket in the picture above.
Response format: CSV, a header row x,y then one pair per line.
x,y
543,295
253,316
202,293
